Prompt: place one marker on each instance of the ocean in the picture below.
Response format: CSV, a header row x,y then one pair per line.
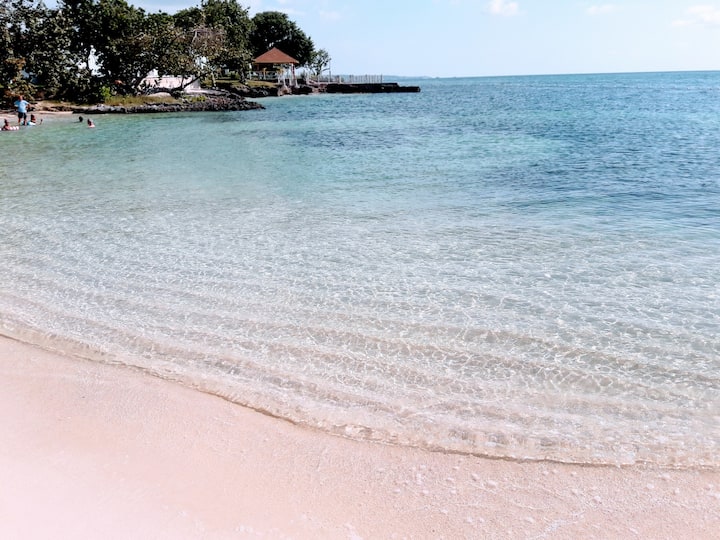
x,y
515,267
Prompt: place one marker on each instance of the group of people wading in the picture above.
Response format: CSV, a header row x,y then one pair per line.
x,y
22,114
22,107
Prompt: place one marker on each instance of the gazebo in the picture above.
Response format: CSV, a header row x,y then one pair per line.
x,y
265,64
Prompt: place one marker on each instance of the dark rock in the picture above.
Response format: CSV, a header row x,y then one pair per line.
x,y
206,103
368,88
303,90
248,91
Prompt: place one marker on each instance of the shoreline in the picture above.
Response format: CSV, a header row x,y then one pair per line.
x,y
101,449
210,102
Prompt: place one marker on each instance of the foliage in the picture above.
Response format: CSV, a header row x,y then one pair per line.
x,y
121,44
89,50
136,101
14,43
208,39
235,23
319,61
275,29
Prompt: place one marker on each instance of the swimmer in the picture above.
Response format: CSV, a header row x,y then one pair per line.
x,y
8,127
90,123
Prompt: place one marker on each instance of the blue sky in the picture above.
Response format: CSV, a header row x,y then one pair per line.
x,y
455,38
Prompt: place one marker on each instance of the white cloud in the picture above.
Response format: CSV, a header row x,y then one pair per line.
x,y
602,9
704,14
503,7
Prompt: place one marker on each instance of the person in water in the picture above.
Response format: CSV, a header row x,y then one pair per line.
x,y
33,121
90,123
8,127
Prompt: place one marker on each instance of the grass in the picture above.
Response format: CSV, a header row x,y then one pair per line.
x,y
134,101
249,83
260,84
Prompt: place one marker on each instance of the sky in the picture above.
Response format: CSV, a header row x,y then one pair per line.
x,y
464,38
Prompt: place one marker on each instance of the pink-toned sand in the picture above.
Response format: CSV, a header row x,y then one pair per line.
x,y
97,451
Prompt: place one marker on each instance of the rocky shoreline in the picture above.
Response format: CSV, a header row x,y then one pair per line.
x,y
224,99
204,103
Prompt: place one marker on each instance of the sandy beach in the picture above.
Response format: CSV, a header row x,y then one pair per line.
x,y
94,450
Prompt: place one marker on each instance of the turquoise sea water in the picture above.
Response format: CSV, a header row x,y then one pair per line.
x,y
522,267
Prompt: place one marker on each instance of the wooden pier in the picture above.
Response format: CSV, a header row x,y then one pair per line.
x,y
367,88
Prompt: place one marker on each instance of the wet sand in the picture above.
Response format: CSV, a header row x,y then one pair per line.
x,y
91,450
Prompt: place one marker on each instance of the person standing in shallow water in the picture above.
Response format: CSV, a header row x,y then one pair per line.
x,y
21,105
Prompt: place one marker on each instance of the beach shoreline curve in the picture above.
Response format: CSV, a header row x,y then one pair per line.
x,y
89,445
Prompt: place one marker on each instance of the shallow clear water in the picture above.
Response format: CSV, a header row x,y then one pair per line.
x,y
522,267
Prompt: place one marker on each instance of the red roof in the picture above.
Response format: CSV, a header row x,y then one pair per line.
x,y
275,56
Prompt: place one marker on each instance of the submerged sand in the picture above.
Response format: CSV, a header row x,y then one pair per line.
x,y
99,451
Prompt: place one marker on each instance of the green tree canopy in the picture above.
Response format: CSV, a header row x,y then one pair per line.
x,y
84,49
123,44
275,29
319,61
19,21
209,38
53,62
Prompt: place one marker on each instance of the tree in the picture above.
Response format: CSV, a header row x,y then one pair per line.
x,y
192,53
116,44
275,29
19,20
319,60
53,64
209,38
84,48
6,42
234,21
81,15
8,62
122,44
